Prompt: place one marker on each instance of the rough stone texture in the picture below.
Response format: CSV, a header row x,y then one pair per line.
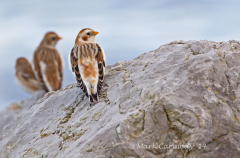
x,y
181,93
14,110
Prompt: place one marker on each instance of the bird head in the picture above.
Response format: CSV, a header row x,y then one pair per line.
x,y
86,36
21,63
50,39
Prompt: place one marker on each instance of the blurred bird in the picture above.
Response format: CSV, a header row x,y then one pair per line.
x,y
25,76
87,63
48,63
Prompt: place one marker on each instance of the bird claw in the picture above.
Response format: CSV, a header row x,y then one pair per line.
x,y
91,104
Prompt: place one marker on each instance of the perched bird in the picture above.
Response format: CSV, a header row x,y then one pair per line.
x,y
48,63
87,63
25,76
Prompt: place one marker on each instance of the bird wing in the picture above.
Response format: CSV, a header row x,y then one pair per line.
x,y
27,84
27,71
36,59
29,77
60,68
48,67
100,56
73,65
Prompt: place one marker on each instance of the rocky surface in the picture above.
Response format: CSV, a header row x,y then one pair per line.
x,y
180,100
14,110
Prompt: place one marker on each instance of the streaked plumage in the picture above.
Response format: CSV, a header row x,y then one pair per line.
x,y
25,76
48,63
87,63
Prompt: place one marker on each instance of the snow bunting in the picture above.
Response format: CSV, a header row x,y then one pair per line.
x,y
48,63
25,76
87,63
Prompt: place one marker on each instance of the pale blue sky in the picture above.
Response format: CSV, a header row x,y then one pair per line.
x,y
127,28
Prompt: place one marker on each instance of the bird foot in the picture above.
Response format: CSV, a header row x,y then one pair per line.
x,y
91,104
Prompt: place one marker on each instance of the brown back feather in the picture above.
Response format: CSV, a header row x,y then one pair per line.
x,y
53,62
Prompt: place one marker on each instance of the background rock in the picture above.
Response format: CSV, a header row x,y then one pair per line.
x,y
183,93
14,110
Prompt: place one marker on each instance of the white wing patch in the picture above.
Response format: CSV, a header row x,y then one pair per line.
x,y
70,65
104,57
43,68
35,72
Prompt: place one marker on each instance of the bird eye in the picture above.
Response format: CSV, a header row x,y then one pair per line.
x,y
53,38
88,33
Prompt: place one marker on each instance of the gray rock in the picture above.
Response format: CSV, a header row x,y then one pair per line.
x,y
180,100
14,110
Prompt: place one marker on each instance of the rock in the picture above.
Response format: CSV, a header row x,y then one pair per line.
x,y
14,110
180,100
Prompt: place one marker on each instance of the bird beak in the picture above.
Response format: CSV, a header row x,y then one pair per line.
x,y
95,32
59,38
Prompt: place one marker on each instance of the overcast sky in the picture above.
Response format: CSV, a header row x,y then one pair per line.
x,y
127,28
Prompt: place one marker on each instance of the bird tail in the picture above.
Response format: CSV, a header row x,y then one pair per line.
x,y
93,98
92,92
